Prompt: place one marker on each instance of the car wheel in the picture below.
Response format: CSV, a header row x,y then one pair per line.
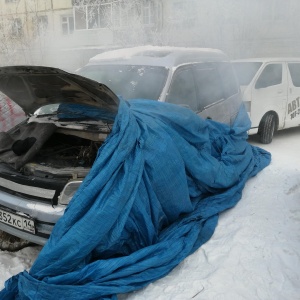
x,y
267,129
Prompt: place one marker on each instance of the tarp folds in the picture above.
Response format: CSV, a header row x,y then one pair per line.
x,y
152,198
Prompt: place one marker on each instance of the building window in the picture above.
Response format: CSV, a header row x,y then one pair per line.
x,y
105,15
67,23
116,14
80,14
41,24
17,28
113,14
148,13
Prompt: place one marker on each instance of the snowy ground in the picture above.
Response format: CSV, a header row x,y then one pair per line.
x,y
255,251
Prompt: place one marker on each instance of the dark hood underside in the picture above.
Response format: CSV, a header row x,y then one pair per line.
x,y
33,87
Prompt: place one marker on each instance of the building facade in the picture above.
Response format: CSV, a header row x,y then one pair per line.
x,y
65,33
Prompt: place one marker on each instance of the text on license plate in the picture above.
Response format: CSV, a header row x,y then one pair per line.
x,y
17,221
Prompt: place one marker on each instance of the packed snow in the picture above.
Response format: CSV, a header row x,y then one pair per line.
x,y
254,252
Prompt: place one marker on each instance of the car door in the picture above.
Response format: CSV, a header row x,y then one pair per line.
x,y
269,93
293,105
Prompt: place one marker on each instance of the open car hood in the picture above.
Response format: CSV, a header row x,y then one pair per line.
x,y
32,87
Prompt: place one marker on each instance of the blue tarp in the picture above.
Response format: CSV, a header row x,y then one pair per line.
x,y
151,199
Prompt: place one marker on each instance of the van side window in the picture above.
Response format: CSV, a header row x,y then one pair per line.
x,y
271,75
295,73
182,90
209,85
229,81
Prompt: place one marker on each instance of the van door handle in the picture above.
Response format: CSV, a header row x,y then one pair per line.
x,y
280,92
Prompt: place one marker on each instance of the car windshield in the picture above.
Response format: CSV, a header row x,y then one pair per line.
x,y
245,71
130,82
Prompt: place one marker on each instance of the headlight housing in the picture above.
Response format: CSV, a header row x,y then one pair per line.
x,y
68,192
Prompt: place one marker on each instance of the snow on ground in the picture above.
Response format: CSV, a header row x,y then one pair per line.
x,y
254,253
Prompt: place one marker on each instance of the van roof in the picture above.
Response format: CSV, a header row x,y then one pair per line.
x,y
269,59
158,56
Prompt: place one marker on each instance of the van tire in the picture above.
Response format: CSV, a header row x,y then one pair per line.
x,y
267,129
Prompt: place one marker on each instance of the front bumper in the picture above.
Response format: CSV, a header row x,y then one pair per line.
x,y
44,215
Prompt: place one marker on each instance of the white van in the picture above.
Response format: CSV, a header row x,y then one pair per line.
x,y
271,92
198,78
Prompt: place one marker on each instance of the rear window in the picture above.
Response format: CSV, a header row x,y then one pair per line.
x,y
245,71
295,73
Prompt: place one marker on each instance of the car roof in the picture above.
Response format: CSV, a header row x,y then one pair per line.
x,y
268,59
158,56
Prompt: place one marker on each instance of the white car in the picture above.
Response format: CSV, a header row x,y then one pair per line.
x,y
271,92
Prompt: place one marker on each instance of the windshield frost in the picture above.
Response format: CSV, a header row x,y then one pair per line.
x,y
130,82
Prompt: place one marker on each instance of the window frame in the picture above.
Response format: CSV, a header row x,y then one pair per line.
x,y
17,29
257,86
205,65
67,22
118,16
294,82
178,70
209,65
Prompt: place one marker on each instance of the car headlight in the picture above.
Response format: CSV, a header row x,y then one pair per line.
x,y
68,192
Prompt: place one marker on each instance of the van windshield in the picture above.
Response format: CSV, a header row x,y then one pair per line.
x,y
128,81
245,71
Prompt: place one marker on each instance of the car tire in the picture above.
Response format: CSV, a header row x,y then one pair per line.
x,y
267,129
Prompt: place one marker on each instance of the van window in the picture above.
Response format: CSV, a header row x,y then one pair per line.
x,y
182,90
295,73
209,85
230,85
271,75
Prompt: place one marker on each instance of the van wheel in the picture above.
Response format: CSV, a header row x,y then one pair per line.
x,y
267,129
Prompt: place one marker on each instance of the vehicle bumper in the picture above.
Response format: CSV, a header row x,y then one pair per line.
x,y
44,215
252,131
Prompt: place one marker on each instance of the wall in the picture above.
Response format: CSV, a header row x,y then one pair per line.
x,y
244,28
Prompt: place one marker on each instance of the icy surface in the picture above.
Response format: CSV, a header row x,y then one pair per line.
x,y
254,253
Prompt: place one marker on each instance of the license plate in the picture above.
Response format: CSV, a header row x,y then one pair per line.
x,y
17,221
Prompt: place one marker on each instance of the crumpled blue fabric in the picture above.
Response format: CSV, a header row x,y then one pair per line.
x,y
73,111
151,199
